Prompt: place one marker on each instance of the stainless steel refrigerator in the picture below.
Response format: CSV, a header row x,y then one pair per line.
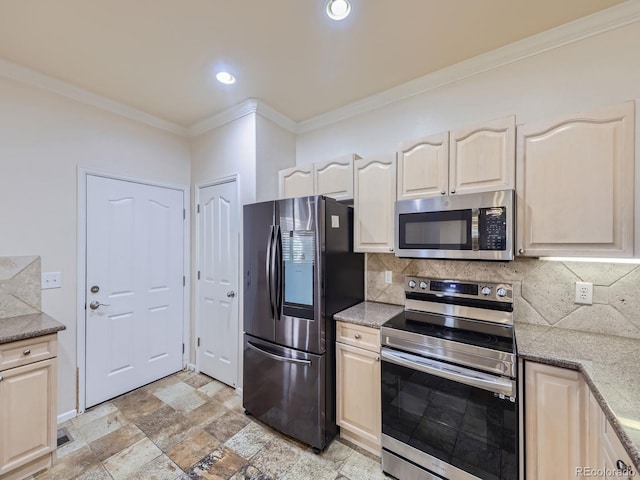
x,y
299,269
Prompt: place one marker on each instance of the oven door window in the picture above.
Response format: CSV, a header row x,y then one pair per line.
x,y
449,230
467,427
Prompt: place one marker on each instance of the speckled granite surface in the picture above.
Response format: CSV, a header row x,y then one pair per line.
x,y
28,326
608,363
369,314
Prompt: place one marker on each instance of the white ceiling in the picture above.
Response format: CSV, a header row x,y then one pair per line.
x,y
158,56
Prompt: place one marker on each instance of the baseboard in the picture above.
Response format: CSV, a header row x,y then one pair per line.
x,y
191,367
64,417
239,391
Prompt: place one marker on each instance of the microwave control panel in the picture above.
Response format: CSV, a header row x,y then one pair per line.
x,y
492,226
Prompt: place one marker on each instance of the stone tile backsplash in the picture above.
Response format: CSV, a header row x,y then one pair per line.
x,y
20,286
543,290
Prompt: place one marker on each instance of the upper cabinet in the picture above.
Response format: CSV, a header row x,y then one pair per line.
x,y
575,181
374,199
479,158
333,178
296,181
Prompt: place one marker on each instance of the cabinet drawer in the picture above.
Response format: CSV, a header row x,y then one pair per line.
x,y
358,336
14,354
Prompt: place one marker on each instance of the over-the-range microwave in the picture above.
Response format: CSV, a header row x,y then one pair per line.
x,y
474,226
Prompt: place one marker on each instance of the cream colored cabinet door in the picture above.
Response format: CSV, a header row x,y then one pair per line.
x,y
374,199
334,178
358,395
423,167
556,418
575,182
615,459
27,414
482,157
296,182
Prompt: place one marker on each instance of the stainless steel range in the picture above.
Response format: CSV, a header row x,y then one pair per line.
x,y
449,391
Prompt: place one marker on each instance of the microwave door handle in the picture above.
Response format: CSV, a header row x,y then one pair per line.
x,y
451,372
475,215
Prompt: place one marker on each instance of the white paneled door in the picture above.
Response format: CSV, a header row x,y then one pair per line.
x,y
134,296
218,270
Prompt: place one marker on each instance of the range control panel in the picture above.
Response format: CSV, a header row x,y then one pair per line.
x,y
502,292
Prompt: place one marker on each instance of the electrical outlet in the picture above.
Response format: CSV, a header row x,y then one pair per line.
x,y
388,276
51,280
584,293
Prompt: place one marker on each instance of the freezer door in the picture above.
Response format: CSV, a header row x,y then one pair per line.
x,y
284,388
259,281
299,260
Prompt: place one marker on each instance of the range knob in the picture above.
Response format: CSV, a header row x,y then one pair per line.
x,y
485,291
423,285
412,284
501,292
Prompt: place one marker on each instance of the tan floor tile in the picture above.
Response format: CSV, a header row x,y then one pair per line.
x,y
276,458
93,414
116,441
71,466
162,383
102,426
193,448
227,425
249,472
77,441
197,380
165,427
160,468
188,401
234,403
224,394
360,466
97,472
222,463
206,413
137,403
171,392
250,440
131,459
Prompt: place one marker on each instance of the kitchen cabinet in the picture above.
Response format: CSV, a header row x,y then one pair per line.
x,y
575,182
296,181
333,178
478,158
374,200
27,406
566,429
358,385
555,421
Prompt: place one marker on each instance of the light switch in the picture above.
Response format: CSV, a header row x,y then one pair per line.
x,y
388,276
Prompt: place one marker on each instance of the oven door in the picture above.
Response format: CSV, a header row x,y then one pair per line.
x,y
456,422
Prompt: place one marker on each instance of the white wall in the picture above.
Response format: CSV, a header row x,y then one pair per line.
x,y
44,138
600,70
275,150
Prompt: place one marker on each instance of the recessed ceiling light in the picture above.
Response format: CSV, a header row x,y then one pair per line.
x,y
226,78
338,9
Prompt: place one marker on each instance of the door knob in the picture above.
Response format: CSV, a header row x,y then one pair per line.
x,y
231,294
95,305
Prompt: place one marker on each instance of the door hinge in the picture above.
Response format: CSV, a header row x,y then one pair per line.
x,y
198,341
198,274
183,348
184,213
198,208
184,281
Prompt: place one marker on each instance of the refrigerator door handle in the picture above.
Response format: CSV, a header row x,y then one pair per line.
x,y
278,357
279,269
270,271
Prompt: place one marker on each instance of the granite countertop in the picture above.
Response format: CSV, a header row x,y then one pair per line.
x,y
608,363
369,314
23,327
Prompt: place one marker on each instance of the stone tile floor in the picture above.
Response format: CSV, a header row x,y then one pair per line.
x,y
189,426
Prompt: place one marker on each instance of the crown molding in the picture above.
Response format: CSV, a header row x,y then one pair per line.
x,y
50,84
229,115
276,117
589,26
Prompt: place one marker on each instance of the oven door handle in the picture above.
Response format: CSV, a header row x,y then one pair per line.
x,y
451,372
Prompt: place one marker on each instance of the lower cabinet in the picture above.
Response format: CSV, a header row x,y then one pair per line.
x,y
27,408
566,432
358,385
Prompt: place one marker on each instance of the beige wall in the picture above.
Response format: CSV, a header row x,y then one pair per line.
x,y
600,70
276,150
44,138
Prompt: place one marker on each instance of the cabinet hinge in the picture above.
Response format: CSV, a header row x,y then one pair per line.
x,y
198,341
198,274
184,281
183,348
198,208
184,213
